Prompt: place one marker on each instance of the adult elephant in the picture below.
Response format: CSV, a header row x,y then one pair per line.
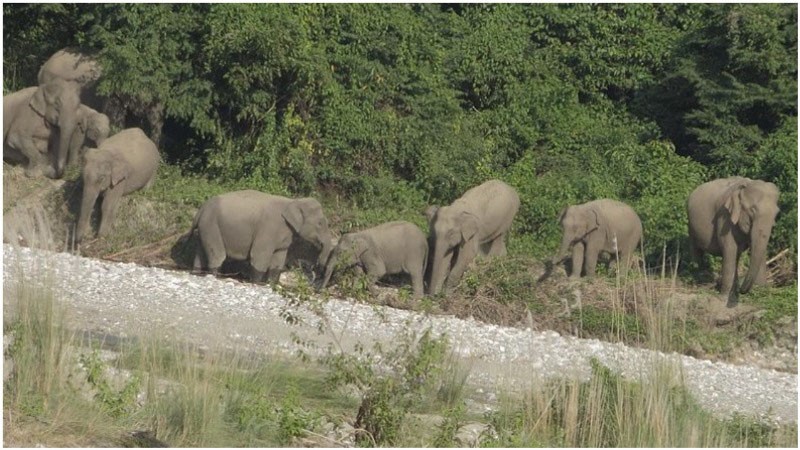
x,y
259,227
476,223
63,78
26,131
28,137
727,217
393,247
123,163
599,227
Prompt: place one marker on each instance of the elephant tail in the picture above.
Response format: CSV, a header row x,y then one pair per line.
x,y
196,221
426,247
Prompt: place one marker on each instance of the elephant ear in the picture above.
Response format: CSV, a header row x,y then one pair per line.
x,y
469,226
363,248
592,218
119,171
297,211
733,201
45,94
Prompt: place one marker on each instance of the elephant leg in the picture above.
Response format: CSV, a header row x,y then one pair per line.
x,y
27,147
465,256
730,259
197,267
257,276
624,263
498,246
111,200
761,278
590,255
277,265
417,283
578,251
213,247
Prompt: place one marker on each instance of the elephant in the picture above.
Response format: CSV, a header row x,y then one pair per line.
x,y
125,162
28,137
726,217
26,131
598,227
62,79
393,247
477,223
91,125
257,227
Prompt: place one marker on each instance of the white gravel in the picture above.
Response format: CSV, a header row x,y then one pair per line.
x,y
130,300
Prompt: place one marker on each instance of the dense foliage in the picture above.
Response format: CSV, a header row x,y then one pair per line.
x,y
412,104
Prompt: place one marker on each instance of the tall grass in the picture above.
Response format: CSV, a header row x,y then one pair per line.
x,y
39,393
609,411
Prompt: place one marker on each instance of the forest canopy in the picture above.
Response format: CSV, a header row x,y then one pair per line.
x,y
412,104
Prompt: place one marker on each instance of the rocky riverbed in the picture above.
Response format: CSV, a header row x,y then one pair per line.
x,y
131,300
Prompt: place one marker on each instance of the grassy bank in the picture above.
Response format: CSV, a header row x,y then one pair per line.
x,y
514,290
64,390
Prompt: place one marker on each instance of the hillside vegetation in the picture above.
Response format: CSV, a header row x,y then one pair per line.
x,y
399,106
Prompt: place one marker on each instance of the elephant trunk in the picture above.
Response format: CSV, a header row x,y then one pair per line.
x,y
87,205
563,251
759,237
325,251
440,263
66,127
328,271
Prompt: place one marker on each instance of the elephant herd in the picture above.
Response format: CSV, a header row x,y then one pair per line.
x,y
260,228
46,128
726,217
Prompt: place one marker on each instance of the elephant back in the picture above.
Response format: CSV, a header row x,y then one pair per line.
x,y
70,65
495,203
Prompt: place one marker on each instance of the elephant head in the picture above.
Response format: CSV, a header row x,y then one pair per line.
x,y
97,127
102,171
576,223
58,102
352,249
61,80
46,101
306,219
92,126
752,206
451,228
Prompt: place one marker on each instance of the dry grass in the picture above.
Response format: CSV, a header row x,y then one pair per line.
x,y
608,411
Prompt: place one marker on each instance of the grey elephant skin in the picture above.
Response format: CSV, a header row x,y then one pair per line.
x,y
124,163
600,227
92,128
27,132
28,138
390,248
257,227
727,217
475,224
62,79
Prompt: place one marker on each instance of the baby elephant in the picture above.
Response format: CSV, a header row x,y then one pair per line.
x,y
123,163
600,226
393,247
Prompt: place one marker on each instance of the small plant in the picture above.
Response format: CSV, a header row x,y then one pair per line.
x,y
293,420
117,403
390,382
453,420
